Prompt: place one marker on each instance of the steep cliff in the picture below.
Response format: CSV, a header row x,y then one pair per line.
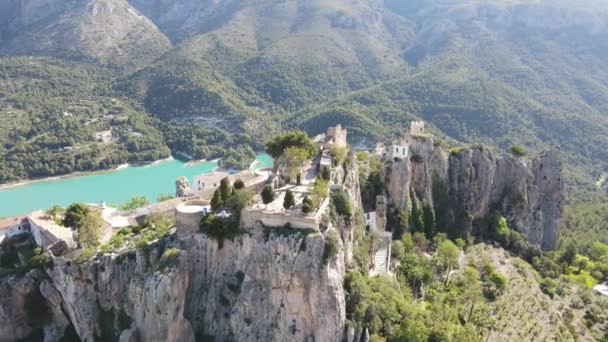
x,y
466,185
267,284
110,31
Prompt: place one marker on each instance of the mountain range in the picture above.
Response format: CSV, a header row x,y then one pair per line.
x,y
506,72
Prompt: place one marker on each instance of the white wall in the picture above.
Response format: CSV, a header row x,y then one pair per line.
x,y
399,151
370,220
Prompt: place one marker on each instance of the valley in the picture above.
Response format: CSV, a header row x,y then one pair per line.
x,y
432,170
477,71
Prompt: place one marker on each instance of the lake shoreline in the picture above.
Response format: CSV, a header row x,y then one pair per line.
x,y
115,185
79,174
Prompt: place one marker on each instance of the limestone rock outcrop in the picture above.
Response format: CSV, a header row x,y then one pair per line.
x,y
111,31
466,185
182,187
267,284
136,296
29,308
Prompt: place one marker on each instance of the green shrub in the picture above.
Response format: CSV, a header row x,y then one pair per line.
x,y
331,246
307,205
135,202
341,201
219,228
238,184
267,194
164,197
325,173
289,200
339,154
169,258
499,228
518,150
549,286
86,255
216,202
495,284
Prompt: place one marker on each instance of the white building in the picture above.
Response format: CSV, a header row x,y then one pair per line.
x,y
13,226
370,221
325,162
399,151
47,233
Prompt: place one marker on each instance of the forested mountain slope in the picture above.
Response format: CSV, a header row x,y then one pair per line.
x,y
502,72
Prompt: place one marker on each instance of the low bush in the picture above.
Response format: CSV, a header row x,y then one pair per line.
x,y
331,246
342,203
219,228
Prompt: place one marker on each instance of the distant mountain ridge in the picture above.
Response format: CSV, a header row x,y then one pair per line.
x,y
111,31
502,72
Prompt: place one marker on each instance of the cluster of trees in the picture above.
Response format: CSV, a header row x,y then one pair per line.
x,y
370,168
586,266
232,197
425,302
135,203
87,222
50,111
291,150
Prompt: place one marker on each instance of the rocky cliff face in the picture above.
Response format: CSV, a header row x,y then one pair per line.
x,y
107,30
466,185
268,284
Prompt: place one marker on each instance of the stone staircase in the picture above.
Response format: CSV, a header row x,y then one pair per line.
x,y
382,258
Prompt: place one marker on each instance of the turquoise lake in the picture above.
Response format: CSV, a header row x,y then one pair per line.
x,y
113,187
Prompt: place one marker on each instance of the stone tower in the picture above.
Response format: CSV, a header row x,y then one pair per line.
x,y
417,127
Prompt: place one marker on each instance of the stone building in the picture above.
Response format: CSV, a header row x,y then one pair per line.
x,y
399,151
336,135
417,127
333,136
13,226
47,233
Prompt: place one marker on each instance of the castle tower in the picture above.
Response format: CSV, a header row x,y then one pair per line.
x,y
417,127
336,135
381,213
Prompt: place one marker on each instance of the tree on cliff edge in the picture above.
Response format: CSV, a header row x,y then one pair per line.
x,y
267,194
289,201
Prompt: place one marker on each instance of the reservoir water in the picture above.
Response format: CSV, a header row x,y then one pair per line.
x,y
114,187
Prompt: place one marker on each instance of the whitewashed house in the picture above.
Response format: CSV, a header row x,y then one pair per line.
x,y
13,226
399,151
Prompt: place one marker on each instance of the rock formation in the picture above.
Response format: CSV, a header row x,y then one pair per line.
x,y
107,30
269,284
30,307
182,187
466,185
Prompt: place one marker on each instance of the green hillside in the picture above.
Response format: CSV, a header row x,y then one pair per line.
x,y
496,72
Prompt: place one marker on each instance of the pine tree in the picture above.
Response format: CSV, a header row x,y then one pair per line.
x,y
307,205
216,201
238,184
267,194
225,189
289,201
